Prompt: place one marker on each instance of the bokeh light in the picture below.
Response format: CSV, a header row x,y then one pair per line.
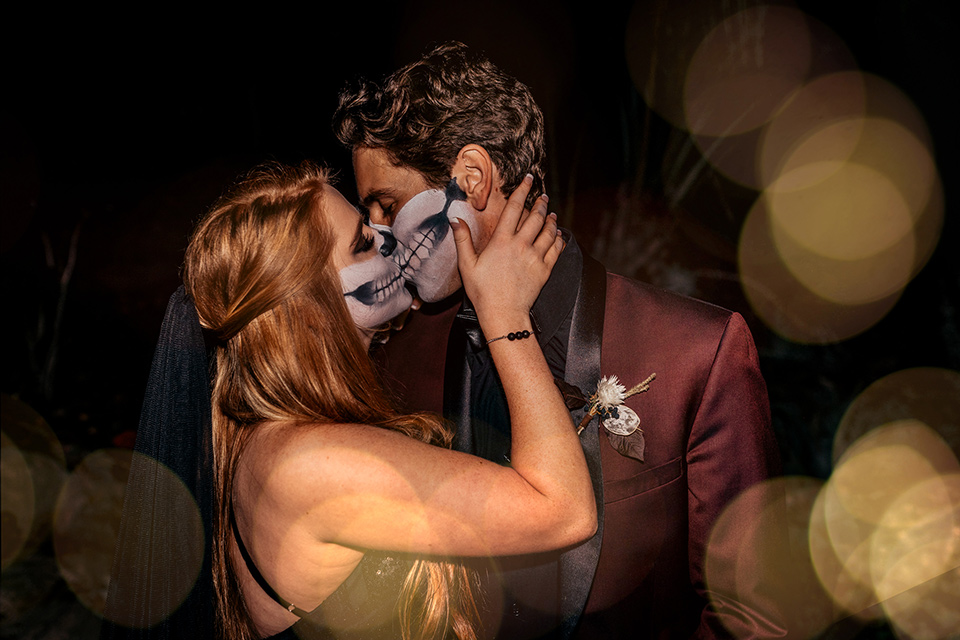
x,y
839,550
887,523
157,560
784,303
30,440
17,499
661,41
755,65
744,69
848,238
86,523
918,572
916,538
757,555
929,395
822,102
853,197
851,212
850,200
86,530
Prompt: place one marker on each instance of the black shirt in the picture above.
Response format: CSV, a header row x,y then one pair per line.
x,y
530,607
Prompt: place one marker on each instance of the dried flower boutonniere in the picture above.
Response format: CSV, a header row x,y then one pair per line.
x,y
621,422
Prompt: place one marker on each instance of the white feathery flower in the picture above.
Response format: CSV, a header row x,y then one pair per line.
x,y
610,393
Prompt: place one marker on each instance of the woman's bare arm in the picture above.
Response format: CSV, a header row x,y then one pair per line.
x,y
368,487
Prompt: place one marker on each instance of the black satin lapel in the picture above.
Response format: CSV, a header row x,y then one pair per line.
x,y
578,566
456,390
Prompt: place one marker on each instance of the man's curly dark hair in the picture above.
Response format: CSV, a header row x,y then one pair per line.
x,y
425,112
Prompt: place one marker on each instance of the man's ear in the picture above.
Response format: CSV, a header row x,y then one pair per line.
x,y
476,175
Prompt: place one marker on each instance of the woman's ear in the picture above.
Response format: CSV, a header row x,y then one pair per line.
x,y
474,172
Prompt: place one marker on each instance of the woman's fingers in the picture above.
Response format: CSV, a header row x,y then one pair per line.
x,y
510,216
466,254
512,268
547,235
554,251
532,224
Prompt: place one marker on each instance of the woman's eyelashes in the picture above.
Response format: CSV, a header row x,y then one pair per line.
x,y
365,242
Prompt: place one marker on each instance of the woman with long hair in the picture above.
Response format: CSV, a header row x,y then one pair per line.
x,y
332,514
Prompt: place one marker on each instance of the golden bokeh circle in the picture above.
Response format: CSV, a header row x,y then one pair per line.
x,y
928,395
783,303
86,523
16,485
744,69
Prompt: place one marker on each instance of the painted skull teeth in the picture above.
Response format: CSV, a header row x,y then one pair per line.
x,y
376,291
410,259
425,252
388,288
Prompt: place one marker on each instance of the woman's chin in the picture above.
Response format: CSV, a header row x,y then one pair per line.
x,y
374,327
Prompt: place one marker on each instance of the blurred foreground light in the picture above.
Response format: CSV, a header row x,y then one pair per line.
x,y
848,238
847,211
660,42
161,554
86,522
17,500
747,73
757,556
824,101
916,539
917,571
929,395
886,462
884,146
852,202
888,521
784,303
744,69
36,444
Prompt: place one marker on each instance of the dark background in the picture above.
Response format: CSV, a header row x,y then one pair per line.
x,y
117,132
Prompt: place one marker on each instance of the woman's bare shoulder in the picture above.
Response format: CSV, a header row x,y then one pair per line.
x,y
274,442
306,458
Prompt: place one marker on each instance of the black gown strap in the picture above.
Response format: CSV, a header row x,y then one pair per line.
x,y
255,572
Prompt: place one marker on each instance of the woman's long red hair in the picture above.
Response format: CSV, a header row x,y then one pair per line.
x,y
258,268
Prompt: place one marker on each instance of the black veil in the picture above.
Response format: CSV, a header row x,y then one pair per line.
x,y
161,585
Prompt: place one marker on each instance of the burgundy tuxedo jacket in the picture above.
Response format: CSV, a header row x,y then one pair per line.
x,y
706,426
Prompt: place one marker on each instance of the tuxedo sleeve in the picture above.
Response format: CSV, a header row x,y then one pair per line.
x,y
731,448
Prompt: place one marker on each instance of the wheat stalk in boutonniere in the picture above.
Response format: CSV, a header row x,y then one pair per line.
x,y
610,394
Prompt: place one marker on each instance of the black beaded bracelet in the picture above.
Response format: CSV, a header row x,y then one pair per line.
x,y
518,335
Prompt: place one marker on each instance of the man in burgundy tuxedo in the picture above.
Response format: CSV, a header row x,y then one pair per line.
x,y
451,136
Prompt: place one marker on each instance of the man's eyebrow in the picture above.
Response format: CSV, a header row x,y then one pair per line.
x,y
376,195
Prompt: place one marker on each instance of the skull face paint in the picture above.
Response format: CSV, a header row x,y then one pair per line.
x,y
426,252
374,289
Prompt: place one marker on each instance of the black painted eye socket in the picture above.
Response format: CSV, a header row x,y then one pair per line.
x,y
389,243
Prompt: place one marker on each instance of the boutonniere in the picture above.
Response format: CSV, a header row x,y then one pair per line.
x,y
621,422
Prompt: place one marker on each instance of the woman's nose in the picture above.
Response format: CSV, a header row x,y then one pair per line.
x,y
388,243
